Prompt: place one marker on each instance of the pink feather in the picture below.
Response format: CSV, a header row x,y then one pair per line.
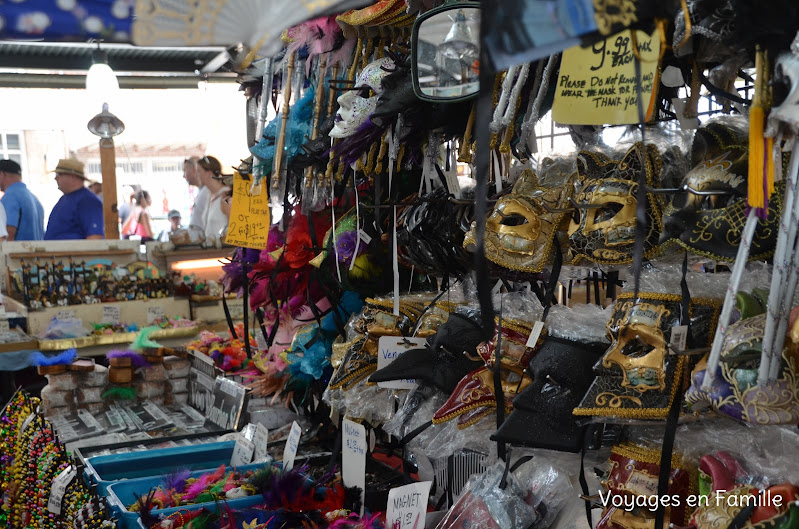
x,y
196,488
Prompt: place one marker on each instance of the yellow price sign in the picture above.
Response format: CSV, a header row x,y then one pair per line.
x,y
249,215
597,84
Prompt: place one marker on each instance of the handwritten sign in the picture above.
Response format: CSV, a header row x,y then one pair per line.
x,y
407,506
242,452
292,443
353,456
597,84
389,348
260,440
4,326
154,313
65,315
111,315
249,215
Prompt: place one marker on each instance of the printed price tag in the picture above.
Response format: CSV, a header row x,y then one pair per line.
x,y
535,333
597,84
112,315
389,348
154,313
365,237
65,315
407,506
497,288
292,443
249,215
4,327
60,484
260,441
679,337
242,452
354,446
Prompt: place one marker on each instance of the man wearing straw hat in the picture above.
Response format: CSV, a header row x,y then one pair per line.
x,y
79,213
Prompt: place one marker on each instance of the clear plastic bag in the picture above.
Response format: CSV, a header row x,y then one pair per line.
x,y
547,483
371,403
485,504
67,328
441,440
522,305
581,323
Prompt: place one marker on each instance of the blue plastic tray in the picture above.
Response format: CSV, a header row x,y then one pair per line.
x,y
123,493
105,470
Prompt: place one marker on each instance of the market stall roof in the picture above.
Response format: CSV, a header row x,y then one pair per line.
x,y
64,65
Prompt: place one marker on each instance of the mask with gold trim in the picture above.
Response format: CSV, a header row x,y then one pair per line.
x,y
604,228
633,472
520,232
637,378
360,360
735,391
474,396
708,219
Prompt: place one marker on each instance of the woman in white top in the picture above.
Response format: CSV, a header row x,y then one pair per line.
x,y
215,219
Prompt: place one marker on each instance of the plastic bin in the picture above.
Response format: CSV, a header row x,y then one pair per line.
x,y
105,470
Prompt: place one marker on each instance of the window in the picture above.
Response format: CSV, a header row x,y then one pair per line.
x,y
11,147
167,166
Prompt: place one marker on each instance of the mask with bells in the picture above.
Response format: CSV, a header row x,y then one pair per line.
x,y
637,378
474,396
604,228
358,103
709,218
735,391
520,232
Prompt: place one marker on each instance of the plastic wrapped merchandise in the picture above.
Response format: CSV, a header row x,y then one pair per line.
x,y
89,395
154,373
488,505
581,323
62,382
177,385
94,379
95,408
147,390
372,403
176,367
53,398
548,488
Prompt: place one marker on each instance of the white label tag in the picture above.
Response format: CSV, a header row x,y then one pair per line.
x,y
497,288
292,443
112,315
353,456
65,315
686,123
4,327
89,420
260,440
242,452
154,313
365,237
672,77
60,484
388,349
27,422
407,506
534,334
679,337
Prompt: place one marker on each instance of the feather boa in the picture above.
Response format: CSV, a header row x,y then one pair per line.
x,y
67,357
143,340
136,359
196,488
176,481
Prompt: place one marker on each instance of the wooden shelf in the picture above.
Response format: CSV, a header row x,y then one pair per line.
x,y
46,254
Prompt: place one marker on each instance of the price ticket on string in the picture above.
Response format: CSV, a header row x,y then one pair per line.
x,y
249,215
59,488
354,446
242,452
407,506
260,440
292,444
598,85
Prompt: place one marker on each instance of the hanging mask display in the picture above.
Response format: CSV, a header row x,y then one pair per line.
x,y
520,232
708,217
474,397
735,391
633,472
637,377
542,413
358,102
605,231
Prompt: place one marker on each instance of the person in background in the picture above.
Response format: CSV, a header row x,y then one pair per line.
x,y
24,213
3,221
96,188
139,222
79,213
129,195
192,177
174,224
210,171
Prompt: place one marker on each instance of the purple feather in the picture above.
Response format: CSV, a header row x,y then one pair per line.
x,y
136,359
355,146
177,480
285,487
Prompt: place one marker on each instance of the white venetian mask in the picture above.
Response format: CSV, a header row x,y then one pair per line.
x,y
356,105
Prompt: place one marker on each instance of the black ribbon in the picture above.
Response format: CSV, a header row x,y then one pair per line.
x,y
549,297
498,392
246,311
228,317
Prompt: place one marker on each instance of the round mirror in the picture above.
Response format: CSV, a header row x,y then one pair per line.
x,y
446,52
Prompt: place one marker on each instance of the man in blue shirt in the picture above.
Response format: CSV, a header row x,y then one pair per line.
x,y
79,213
24,212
